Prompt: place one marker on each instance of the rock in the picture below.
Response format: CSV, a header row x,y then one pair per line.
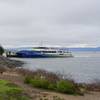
x,y
8,63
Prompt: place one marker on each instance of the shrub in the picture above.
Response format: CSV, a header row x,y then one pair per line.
x,y
37,82
66,87
1,50
28,80
63,86
40,83
51,81
50,76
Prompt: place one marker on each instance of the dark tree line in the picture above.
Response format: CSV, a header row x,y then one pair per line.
x,y
1,50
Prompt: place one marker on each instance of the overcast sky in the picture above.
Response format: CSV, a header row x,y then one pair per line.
x,y
64,22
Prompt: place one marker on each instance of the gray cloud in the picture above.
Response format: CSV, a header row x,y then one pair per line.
x,y
52,21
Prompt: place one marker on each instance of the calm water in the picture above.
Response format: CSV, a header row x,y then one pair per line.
x,y
84,67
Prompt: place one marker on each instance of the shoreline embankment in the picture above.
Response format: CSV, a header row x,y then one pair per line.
x,y
44,85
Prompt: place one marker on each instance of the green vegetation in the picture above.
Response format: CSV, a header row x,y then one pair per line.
x,y
10,91
62,86
37,82
66,87
1,50
51,81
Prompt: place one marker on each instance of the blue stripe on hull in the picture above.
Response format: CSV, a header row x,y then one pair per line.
x,y
30,54
33,54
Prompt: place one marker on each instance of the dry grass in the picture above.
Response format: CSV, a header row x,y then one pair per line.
x,y
57,81
95,86
50,76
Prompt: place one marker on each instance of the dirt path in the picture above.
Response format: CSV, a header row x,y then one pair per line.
x,y
36,94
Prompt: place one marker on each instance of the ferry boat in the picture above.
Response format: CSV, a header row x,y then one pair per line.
x,y
41,52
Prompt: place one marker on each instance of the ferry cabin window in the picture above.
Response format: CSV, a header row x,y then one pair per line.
x,y
49,51
60,51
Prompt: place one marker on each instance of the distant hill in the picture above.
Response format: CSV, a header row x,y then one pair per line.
x,y
85,49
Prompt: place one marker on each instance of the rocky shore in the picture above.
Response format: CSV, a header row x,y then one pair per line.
x,y
8,63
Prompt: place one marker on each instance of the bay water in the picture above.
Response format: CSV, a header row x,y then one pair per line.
x,y
83,67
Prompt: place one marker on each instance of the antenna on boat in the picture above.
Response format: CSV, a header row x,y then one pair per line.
x,y
41,44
